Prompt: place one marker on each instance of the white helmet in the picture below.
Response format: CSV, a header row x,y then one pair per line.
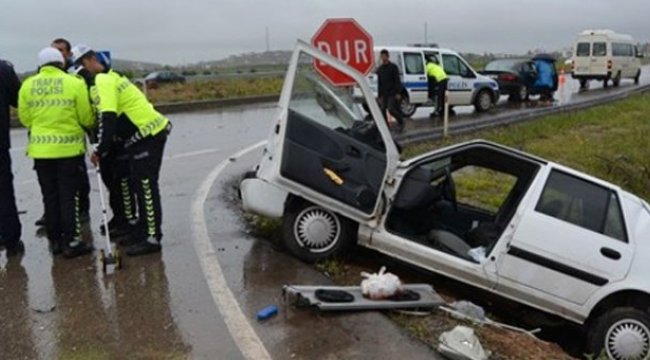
x,y
79,51
50,55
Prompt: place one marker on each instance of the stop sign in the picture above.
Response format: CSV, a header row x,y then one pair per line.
x,y
348,41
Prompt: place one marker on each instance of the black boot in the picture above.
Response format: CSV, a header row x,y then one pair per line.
x,y
55,247
144,247
76,248
15,249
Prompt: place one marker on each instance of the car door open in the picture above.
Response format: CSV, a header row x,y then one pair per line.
x,y
330,154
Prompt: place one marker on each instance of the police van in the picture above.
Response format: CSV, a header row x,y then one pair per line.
x,y
605,55
466,86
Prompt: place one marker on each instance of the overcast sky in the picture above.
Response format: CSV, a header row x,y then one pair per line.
x,y
176,32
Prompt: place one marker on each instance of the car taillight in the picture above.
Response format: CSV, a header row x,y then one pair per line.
x,y
507,77
609,64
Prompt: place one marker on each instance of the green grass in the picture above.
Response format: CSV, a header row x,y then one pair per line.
x,y
215,89
610,141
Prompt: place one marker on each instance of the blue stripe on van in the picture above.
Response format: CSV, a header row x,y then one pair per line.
x,y
416,84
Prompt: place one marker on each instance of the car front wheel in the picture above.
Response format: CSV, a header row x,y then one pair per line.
x,y
406,107
483,101
622,333
313,233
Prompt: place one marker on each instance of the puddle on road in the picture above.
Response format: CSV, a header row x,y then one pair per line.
x,y
58,308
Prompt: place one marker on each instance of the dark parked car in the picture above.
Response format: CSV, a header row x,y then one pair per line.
x,y
162,77
516,77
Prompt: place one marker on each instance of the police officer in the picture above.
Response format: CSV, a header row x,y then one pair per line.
x,y
144,136
10,228
55,107
114,167
437,79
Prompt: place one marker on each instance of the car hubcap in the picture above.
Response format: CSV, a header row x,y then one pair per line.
x,y
406,106
317,229
628,339
523,92
485,101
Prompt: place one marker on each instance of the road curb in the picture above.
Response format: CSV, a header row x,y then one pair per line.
x,y
514,117
179,107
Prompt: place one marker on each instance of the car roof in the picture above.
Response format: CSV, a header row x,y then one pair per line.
x,y
513,60
414,48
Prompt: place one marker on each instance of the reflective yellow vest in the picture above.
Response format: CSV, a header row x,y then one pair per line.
x,y
436,71
115,93
54,106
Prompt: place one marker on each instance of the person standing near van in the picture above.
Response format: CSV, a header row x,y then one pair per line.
x,y
55,107
438,80
389,88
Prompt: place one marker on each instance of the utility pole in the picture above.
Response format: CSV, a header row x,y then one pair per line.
x,y
426,32
268,43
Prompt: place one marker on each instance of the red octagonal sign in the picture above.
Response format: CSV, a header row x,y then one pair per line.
x,y
348,41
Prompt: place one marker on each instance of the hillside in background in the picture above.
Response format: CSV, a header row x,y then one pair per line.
x,y
121,64
278,57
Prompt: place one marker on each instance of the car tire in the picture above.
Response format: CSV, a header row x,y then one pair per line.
x,y
521,94
611,332
406,107
637,78
312,233
617,80
483,101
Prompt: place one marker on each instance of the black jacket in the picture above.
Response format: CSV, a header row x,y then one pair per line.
x,y
389,80
9,86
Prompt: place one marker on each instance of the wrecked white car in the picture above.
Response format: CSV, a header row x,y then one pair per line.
x,y
514,224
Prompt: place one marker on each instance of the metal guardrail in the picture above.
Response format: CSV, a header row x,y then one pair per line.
x,y
173,108
513,117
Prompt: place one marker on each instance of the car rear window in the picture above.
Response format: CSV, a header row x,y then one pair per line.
x,y
600,49
502,65
583,49
582,203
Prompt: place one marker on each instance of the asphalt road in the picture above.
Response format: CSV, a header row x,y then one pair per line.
x,y
173,305
199,297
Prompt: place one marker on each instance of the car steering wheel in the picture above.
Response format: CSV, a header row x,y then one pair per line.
x,y
449,190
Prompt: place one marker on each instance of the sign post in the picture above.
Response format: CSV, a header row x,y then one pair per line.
x,y
346,40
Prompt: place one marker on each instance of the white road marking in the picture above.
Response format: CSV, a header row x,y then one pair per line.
x,y
249,343
191,154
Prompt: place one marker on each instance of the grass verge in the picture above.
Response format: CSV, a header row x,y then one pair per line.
x,y
215,89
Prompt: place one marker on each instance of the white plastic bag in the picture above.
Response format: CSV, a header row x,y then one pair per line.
x,y
380,285
461,344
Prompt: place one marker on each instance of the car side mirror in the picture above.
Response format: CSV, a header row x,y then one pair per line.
x,y
469,75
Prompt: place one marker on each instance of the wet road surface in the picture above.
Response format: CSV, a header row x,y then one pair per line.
x,y
160,306
157,306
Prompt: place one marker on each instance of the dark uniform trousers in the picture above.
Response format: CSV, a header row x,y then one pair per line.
x,y
10,229
116,175
61,181
146,160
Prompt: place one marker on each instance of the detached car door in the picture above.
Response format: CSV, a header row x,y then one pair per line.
x,y
330,153
570,241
